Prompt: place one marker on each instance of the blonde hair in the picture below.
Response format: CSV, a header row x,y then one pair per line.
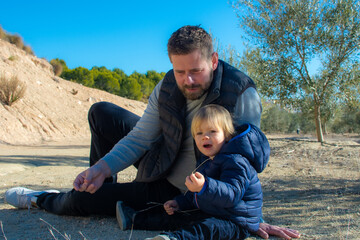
x,y
215,115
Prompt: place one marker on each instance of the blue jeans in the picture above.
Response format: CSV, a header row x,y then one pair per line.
x,y
192,225
211,228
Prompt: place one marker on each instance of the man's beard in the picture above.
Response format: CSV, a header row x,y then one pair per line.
x,y
196,95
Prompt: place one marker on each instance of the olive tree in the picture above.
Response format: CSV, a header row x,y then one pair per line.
x,y
289,37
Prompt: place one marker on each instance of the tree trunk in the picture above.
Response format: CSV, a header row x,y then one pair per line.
x,y
319,132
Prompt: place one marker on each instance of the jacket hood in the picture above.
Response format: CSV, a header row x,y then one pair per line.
x,y
251,143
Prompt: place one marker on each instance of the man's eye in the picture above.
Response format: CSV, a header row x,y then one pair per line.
x,y
196,71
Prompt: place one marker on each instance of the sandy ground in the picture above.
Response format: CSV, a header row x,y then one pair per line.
x,y
307,186
51,166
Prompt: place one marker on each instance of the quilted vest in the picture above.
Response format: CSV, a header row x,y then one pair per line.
x,y
227,85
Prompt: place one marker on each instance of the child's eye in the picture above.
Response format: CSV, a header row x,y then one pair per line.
x,y
198,133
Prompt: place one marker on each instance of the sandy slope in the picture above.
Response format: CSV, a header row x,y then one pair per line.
x,y
50,109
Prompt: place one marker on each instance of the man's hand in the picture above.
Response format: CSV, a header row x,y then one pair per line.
x,y
266,229
195,182
171,206
92,178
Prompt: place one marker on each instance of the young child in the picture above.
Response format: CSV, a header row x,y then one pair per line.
x,y
225,185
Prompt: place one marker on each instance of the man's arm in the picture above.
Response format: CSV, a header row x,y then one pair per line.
x,y
92,178
129,149
126,152
248,108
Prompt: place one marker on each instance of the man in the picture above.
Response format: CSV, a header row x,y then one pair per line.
x,y
160,142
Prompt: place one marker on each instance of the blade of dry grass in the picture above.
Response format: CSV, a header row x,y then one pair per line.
x,y
50,227
2,230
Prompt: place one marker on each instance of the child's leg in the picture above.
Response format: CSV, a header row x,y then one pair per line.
x,y
157,219
210,228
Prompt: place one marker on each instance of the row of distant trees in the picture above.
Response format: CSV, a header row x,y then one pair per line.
x,y
277,118
136,86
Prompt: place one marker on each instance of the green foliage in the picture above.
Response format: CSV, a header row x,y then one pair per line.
x,y
11,90
130,88
347,120
275,119
137,86
104,80
80,75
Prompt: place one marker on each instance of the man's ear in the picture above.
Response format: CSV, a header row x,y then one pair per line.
x,y
214,60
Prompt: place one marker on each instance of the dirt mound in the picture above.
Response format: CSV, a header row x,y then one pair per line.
x,y
52,109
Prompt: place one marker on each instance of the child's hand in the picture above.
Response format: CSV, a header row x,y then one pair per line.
x,y
171,206
195,182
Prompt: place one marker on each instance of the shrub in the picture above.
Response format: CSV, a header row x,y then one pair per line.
x,y
57,67
16,40
11,89
13,58
28,49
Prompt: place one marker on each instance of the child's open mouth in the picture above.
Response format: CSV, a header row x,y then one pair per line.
x,y
207,145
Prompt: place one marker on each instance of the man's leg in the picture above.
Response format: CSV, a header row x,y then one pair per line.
x,y
108,124
134,194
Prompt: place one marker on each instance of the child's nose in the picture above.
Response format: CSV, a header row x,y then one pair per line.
x,y
206,136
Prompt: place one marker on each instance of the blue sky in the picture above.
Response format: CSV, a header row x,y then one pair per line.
x,y
130,35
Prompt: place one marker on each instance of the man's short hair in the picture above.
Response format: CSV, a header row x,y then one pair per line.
x,y
188,39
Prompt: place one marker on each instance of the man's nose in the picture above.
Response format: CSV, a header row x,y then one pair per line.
x,y
189,79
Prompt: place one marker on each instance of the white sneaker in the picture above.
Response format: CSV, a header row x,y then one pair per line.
x,y
21,197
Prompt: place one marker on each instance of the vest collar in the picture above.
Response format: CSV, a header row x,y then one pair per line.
x,y
215,87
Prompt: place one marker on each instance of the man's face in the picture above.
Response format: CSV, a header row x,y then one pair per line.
x,y
193,73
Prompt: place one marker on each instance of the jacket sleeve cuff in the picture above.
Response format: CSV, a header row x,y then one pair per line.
x,y
203,188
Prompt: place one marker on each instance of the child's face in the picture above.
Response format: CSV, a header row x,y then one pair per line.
x,y
209,139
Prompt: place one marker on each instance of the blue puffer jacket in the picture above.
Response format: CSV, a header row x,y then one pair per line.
x,y
232,188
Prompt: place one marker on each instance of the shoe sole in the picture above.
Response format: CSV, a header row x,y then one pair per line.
x,y
120,216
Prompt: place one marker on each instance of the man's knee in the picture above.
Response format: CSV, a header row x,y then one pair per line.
x,y
96,109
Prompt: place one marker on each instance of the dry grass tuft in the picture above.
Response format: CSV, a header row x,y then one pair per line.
x,y
11,89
